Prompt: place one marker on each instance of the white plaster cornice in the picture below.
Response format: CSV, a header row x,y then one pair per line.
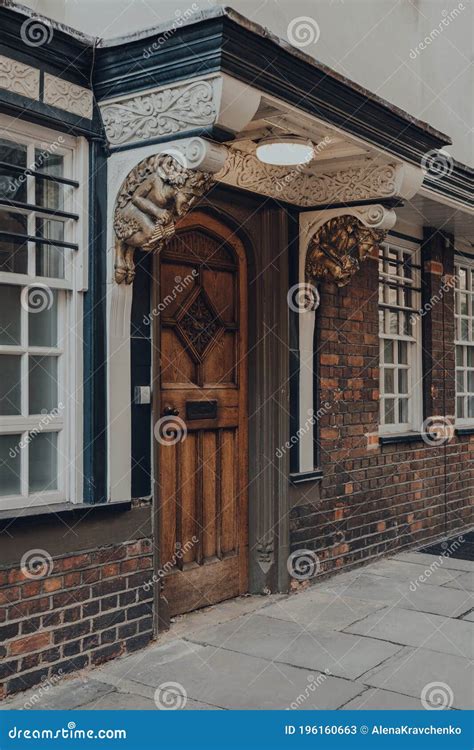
x,y
370,180
19,78
217,100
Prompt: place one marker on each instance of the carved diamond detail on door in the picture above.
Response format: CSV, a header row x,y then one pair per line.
x,y
199,324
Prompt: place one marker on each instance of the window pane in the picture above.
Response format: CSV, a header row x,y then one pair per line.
x,y
470,356
403,381
13,250
460,407
463,310
43,384
49,194
460,381
470,406
10,465
43,323
388,352
464,330
389,411
10,315
403,410
470,381
388,381
50,261
402,352
459,356
392,322
10,384
43,462
12,184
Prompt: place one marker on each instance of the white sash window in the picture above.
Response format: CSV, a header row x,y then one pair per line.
x,y
464,340
400,337
41,248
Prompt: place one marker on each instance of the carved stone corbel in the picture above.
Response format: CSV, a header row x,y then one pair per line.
x,y
157,192
342,240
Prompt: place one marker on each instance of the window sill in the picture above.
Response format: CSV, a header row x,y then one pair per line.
x,y
60,509
306,476
400,437
464,430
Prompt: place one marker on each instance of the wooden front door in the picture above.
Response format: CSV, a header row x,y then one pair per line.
x,y
201,428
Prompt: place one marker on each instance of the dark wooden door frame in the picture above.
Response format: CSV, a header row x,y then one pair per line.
x,y
268,374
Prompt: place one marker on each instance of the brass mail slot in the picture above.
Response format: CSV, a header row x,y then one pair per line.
x,y
201,410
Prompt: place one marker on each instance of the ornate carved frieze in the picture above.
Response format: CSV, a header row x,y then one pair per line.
x,y
68,96
338,242
367,181
157,113
178,108
19,78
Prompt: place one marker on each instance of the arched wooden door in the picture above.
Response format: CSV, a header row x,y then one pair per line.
x,y
201,432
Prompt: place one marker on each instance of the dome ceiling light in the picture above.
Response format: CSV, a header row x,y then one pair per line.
x,y
288,150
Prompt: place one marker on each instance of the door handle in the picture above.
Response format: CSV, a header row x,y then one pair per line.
x,y
170,411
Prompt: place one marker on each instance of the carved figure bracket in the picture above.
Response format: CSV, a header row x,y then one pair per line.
x,y
338,247
155,194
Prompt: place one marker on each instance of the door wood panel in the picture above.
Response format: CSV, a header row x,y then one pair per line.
x,y
203,463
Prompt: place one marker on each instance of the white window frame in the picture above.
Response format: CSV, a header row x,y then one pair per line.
x,y
414,347
462,262
68,421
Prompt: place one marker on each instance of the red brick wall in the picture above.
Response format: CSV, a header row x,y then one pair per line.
x,y
375,499
88,608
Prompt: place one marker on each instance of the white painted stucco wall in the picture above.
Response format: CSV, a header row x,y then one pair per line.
x,y
373,42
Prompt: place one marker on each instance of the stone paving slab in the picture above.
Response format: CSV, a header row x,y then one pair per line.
x,y
432,599
66,694
410,671
321,609
374,699
418,629
465,581
227,679
449,563
434,574
281,641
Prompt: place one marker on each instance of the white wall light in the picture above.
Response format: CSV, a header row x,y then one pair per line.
x,y
285,150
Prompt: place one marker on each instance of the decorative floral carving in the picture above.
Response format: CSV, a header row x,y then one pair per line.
x,y
159,113
199,325
338,247
19,78
68,96
157,192
295,186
